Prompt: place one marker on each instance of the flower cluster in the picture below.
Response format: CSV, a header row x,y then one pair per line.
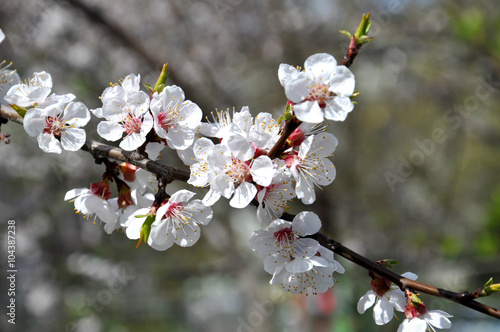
x,y
231,156
298,264
245,159
388,297
239,168
55,120
418,318
134,188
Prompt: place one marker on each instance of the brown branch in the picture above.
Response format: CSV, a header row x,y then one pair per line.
x,y
101,150
8,113
464,298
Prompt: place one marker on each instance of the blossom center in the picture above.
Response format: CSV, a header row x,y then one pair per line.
x,y
321,94
284,236
165,121
294,163
132,124
174,209
239,171
54,126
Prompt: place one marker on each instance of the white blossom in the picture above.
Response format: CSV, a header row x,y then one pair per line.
x,y
93,201
200,171
419,319
273,198
8,78
386,298
310,166
298,264
58,126
320,91
426,322
178,221
125,109
31,92
234,170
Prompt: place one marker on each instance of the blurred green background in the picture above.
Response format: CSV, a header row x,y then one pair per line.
x,y
417,163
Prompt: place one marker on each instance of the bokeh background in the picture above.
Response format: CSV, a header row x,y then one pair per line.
x,y
417,165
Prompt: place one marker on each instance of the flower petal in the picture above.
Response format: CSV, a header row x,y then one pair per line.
x,y
240,148
410,275
76,114
299,265
243,195
181,196
383,311
320,66
109,130
71,194
305,189
187,235
366,301
201,213
73,139
261,242
160,238
211,197
438,319
308,111
342,82
132,141
397,298
262,171
306,223
48,143
338,108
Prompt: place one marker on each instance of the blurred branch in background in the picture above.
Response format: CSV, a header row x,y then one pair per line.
x,y
96,16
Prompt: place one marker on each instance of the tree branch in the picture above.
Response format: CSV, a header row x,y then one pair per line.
x,y
101,150
464,298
